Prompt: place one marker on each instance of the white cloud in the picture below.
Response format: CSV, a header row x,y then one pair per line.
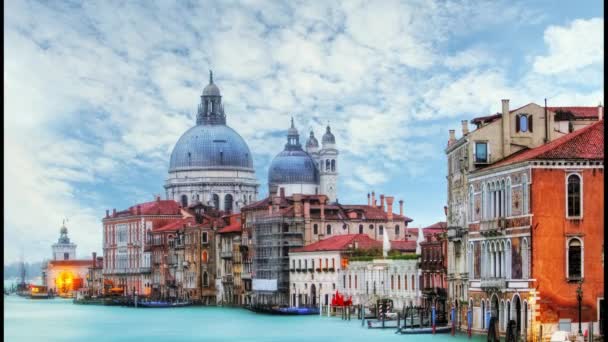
x,y
572,47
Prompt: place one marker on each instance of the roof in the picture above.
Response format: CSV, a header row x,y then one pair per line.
x,y
578,112
442,225
74,262
586,143
404,245
489,118
157,207
341,243
234,225
175,225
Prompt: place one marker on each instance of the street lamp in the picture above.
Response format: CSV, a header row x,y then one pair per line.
x,y
579,298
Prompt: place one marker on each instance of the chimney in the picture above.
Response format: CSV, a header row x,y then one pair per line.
x,y
297,205
389,207
276,204
306,210
114,212
600,112
401,207
382,202
107,212
465,127
138,209
368,199
506,129
282,192
452,137
94,259
373,199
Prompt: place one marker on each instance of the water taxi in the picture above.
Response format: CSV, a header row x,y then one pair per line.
x,y
39,292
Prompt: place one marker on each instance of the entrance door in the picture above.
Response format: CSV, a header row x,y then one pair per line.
x,y
518,313
313,295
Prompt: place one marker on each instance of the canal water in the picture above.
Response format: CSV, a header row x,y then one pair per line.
x,y
60,320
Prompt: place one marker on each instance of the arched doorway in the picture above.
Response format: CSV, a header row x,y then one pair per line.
x,y
313,294
495,308
517,306
483,314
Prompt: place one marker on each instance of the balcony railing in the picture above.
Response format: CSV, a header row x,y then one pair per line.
x,y
455,233
493,227
227,279
493,283
226,254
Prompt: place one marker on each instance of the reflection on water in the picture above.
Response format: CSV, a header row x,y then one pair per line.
x,y
60,320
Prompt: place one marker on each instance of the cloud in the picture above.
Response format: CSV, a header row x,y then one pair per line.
x,y
572,47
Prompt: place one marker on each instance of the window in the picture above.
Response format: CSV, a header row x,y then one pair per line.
x,y
329,229
574,196
471,203
205,279
371,226
66,256
228,203
333,165
523,123
184,201
360,229
315,228
397,230
355,281
216,201
524,187
285,228
381,230
575,258
345,226
481,152
204,237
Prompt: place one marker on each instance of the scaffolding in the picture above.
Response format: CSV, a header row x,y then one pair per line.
x,y
273,237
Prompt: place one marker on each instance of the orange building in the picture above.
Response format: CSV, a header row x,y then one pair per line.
x,y
535,231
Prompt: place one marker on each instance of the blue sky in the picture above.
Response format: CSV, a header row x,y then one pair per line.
x,y
97,93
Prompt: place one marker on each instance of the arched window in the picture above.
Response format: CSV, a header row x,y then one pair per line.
x,y
355,281
216,201
333,165
575,259
398,282
392,282
524,259
228,203
381,230
327,164
574,196
470,261
396,230
329,229
315,228
205,279
413,283
483,201
523,123
184,201
349,281
508,198
471,204
204,256
360,229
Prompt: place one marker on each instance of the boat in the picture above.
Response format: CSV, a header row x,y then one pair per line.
x,y
277,310
379,324
425,330
39,292
161,304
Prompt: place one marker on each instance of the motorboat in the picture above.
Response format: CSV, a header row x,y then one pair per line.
x,y
39,292
379,324
425,330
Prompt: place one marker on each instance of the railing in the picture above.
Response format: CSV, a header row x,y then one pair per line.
x,y
145,269
494,283
227,278
226,254
493,226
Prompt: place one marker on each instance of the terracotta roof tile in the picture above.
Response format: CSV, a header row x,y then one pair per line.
x,y
234,225
341,243
71,262
175,225
403,245
578,112
586,143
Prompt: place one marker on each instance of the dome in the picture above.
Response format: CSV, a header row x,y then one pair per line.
x,y
312,141
328,137
210,146
292,167
211,90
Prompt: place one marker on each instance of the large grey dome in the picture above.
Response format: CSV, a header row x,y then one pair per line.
x,y
210,146
292,167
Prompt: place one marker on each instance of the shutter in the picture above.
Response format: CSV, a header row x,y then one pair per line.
x,y
530,125
517,123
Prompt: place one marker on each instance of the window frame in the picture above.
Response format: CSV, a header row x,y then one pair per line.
x,y
580,177
477,161
582,245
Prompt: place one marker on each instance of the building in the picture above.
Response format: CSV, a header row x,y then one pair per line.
x,y
282,223
94,283
211,162
230,268
126,262
310,172
535,232
495,138
64,274
433,268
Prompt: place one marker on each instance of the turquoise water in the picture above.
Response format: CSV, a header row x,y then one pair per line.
x,y
60,320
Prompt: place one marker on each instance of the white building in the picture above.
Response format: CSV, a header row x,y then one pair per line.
x,y
211,162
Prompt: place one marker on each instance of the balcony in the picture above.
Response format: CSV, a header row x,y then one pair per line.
x,y
456,233
226,254
145,269
493,283
311,270
493,227
227,279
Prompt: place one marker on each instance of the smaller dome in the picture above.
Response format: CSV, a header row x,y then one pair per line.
x,y
211,89
328,137
312,141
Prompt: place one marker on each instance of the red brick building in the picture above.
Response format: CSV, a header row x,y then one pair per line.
x,y
535,231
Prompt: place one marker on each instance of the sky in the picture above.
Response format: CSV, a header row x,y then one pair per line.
x,y
97,93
